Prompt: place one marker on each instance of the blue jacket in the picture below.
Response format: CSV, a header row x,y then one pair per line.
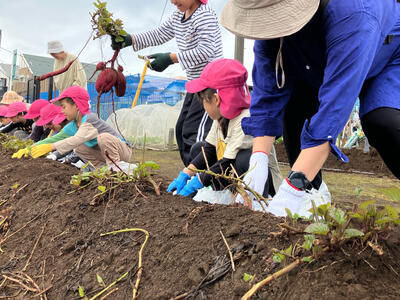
x,y
342,51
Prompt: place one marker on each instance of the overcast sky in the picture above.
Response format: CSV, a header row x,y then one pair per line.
x,y
28,25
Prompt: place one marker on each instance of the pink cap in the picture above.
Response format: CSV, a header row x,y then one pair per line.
x,y
15,108
228,77
59,118
48,113
3,110
204,1
34,109
79,95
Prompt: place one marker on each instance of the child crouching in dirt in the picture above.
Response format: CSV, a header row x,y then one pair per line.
x,y
38,132
92,139
223,92
19,126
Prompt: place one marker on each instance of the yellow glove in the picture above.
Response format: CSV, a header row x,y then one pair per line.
x,y
41,150
20,153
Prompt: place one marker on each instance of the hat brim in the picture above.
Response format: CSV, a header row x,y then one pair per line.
x,y
31,116
274,21
58,119
195,86
10,115
42,122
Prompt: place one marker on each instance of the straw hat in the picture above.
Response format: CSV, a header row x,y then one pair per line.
x,y
267,19
11,97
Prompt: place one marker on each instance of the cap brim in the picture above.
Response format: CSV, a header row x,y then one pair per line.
x,y
274,21
42,122
31,116
195,86
10,115
59,98
58,119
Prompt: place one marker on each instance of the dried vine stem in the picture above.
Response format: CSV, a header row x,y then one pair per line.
x,y
240,186
140,268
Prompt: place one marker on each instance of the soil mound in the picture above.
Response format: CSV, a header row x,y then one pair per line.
x,y
358,161
184,245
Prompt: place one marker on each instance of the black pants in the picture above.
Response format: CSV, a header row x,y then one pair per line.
x,y
302,105
241,166
192,126
382,128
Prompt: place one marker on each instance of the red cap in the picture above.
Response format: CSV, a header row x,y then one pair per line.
x,y
3,110
15,108
79,95
228,77
34,109
47,114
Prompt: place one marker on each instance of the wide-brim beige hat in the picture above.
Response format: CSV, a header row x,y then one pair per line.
x,y
11,97
267,19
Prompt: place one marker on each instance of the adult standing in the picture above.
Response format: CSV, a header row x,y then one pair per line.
x,y
75,75
312,60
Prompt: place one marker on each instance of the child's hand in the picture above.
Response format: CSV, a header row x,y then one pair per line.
x,y
41,150
178,182
191,187
20,153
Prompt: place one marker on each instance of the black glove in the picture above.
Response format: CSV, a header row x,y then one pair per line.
x,y
121,42
161,61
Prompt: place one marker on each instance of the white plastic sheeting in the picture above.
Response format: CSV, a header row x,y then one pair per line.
x,y
156,122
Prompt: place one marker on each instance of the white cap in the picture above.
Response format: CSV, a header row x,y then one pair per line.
x,y
54,47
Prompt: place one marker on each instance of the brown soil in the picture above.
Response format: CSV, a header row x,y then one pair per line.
x,y
184,242
358,161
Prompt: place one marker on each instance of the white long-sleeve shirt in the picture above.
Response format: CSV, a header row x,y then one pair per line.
x,y
198,38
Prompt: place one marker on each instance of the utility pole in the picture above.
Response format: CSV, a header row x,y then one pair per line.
x,y
13,69
239,48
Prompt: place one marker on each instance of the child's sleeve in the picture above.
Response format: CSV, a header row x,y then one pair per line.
x,y
55,138
220,167
86,132
154,37
206,31
236,140
210,154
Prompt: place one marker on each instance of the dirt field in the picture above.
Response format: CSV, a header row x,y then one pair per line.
x,y
184,243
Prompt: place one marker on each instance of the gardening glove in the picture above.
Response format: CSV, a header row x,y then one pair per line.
x,y
192,186
40,150
20,153
161,61
287,197
125,41
178,182
257,176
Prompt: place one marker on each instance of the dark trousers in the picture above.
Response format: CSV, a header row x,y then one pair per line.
x,y
241,166
302,105
382,128
192,126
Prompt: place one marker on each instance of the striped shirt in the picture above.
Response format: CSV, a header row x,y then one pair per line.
x,y
198,38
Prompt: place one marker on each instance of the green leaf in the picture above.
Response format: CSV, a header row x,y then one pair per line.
x,y
364,205
356,216
246,277
123,33
289,213
308,241
307,259
384,220
322,209
101,188
317,228
289,250
392,212
119,39
338,215
100,280
151,164
351,232
81,292
278,257
15,185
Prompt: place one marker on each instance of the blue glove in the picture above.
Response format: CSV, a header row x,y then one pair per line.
x,y
191,187
179,182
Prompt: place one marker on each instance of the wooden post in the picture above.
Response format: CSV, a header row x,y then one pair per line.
x,y
171,135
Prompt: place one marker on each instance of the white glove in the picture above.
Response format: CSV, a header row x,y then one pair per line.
x,y
257,176
125,166
286,197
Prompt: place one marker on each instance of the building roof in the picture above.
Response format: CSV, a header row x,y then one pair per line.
x,y
41,65
7,69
